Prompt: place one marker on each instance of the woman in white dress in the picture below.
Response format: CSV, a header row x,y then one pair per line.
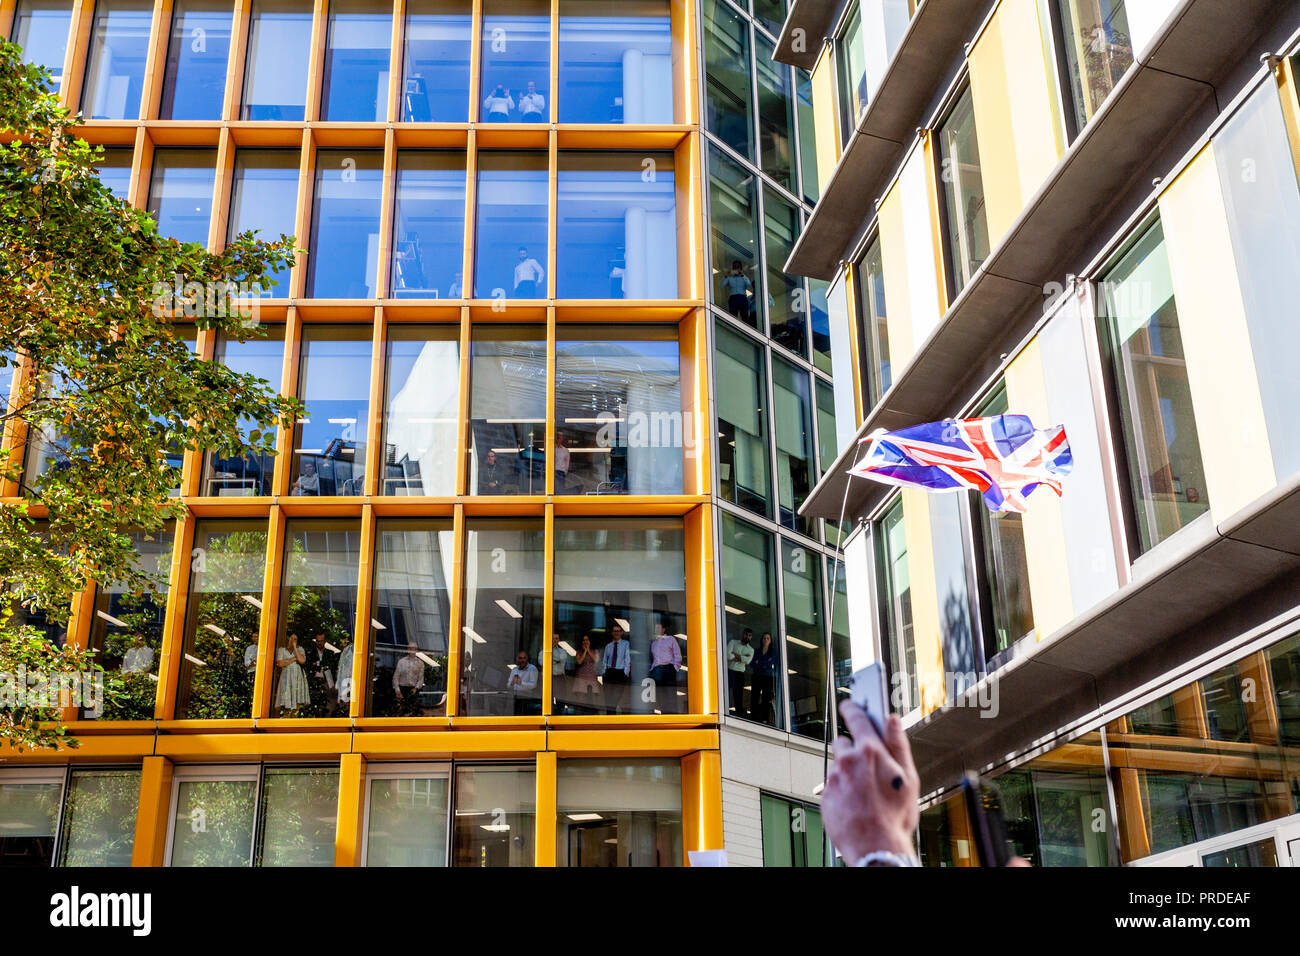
x,y
292,691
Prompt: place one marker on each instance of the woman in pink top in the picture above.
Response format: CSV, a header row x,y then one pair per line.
x,y
585,683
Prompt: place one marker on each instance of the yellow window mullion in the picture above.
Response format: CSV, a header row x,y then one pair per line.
x,y
544,820
362,630
270,618
454,639
239,29
173,636
156,59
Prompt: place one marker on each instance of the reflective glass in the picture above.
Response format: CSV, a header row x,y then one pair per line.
x,y
895,584
516,61
805,638
615,62
250,474
299,816
223,617
620,605
792,412
619,425
841,648
355,76
1098,51
729,98
279,49
826,450
618,813
407,818
29,814
495,816
874,327
775,114
410,618
812,189
329,449
99,818
819,320
502,633
180,192
755,689
744,468
616,233
212,823
264,197
41,28
344,256
507,427
850,55
194,84
429,225
119,46
435,84
115,170
733,239
792,833
422,412
966,228
511,229
770,14
787,300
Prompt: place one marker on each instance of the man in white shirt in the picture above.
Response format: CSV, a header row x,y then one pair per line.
x,y
408,679
528,273
617,673
739,655
138,658
532,104
522,686
498,105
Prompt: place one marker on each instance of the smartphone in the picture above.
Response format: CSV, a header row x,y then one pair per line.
x,y
867,690
984,807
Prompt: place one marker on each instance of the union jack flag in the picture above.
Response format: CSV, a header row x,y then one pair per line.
x,y
1003,457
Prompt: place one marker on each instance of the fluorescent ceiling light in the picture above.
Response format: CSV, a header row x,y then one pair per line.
x,y
568,648
495,827
341,421
214,629
110,619
515,421
154,678
681,637
733,610
800,641
592,421
507,451
252,600
508,608
584,817
791,671
627,628
431,421
378,626
331,647
426,658
473,635
194,660
309,451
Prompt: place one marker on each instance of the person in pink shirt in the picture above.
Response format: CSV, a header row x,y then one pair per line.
x,y
665,658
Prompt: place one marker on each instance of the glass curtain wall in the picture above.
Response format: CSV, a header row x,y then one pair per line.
x,y
435,81
41,28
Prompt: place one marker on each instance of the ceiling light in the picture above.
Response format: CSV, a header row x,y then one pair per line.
x,y
508,608
252,600
214,629
426,658
627,628
473,635
331,647
790,638
568,648
584,817
194,660
378,626
732,610
110,619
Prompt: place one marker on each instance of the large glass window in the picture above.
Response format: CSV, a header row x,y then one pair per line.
x,y
1098,48
355,85
620,605
775,114
618,813
344,256
1166,475
496,809
895,586
755,688
510,235
851,58
744,467
99,818
966,228
507,437
770,14
795,469
792,833
807,136
119,46
787,300
29,812
222,620
873,330
194,85
733,238
615,62
617,226
422,412
41,29
826,448
729,98
805,638
619,426
250,474
429,224
516,57
318,612
435,84
819,321
264,197
298,816
410,618
329,447
279,49
180,192
126,633
407,817
502,633
115,170
212,817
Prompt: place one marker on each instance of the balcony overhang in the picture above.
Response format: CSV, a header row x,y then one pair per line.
x,y
807,24
1245,575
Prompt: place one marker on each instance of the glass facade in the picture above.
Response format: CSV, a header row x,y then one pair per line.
x,y
355,78
429,225
422,410
435,78
511,229
1097,48
516,61
279,48
618,813
965,220
247,474
180,192
264,199
194,85
615,62
792,832
119,45
41,28
330,444
344,259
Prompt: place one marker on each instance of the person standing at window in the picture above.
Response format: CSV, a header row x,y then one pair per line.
x,y
528,273
491,477
739,288
739,654
498,105
665,658
763,681
532,104
586,683
617,661
292,693
308,482
522,685
562,459
408,679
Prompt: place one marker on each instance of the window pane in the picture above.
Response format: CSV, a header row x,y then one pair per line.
x,y
511,232
874,330
819,317
495,810
754,686
355,86
805,639
841,648
729,100
850,54
733,238
787,301
119,45
1284,666
617,229
222,620
115,170
827,451
408,820
1098,51
507,438
792,412
410,619
29,813
126,633
428,241
8,374
250,474
99,818
329,449
618,813
615,62
279,48
792,833
966,224
194,86
896,609
503,616
1166,476
345,224
41,29
436,80
620,603
180,192
775,114
265,197
619,426
771,14
299,816
213,825
812,189
743,463
516,61
422,414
